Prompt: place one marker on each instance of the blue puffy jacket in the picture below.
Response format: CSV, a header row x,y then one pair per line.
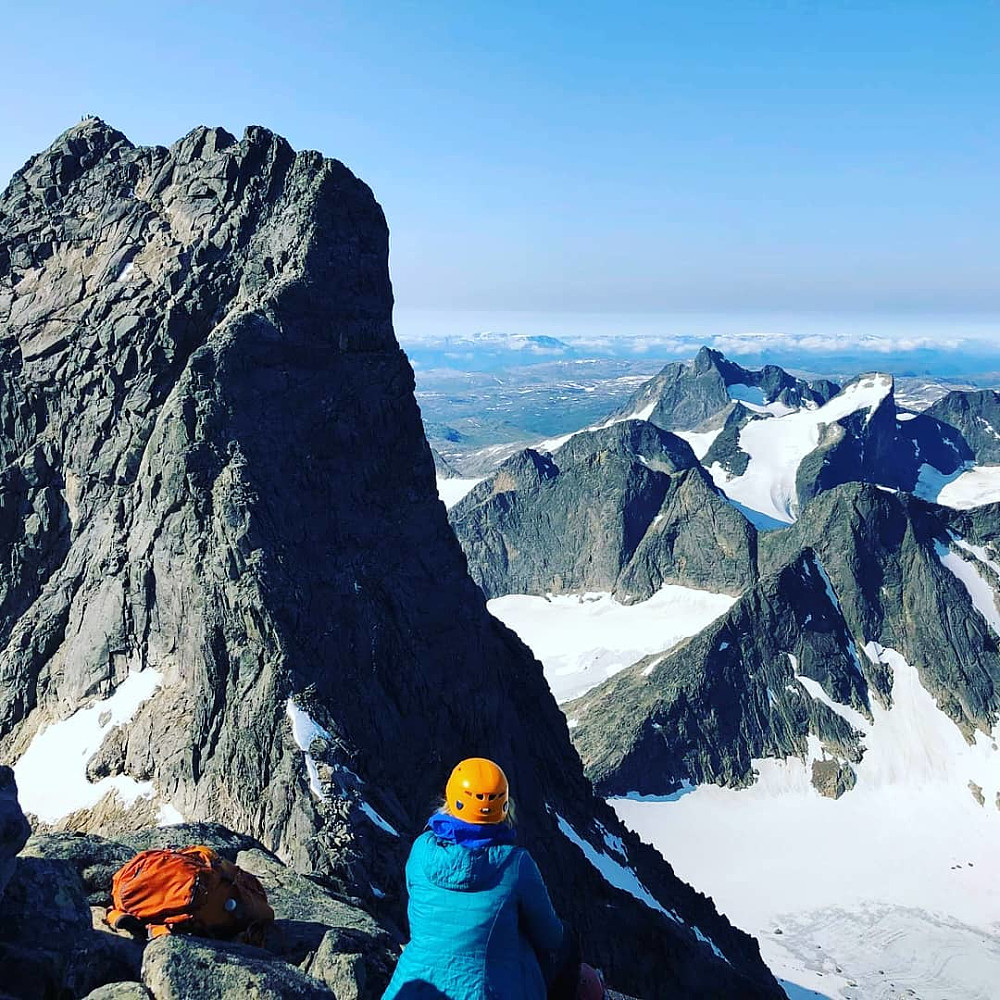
x,y
478,912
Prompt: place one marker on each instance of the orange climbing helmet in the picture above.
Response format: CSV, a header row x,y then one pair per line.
x,y
477,792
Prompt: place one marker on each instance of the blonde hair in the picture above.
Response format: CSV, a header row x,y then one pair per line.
x,y
510,819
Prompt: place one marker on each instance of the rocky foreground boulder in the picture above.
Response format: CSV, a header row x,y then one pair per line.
x,y
322,943
228,590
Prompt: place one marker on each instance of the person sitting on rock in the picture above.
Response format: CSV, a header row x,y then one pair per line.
x,y
480,915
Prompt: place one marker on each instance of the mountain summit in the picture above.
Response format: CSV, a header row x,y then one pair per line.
x,y
228,589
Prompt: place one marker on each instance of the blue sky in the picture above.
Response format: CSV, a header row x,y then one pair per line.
x,y
767,163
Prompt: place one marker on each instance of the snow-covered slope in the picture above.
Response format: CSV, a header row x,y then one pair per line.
x,y
452,490
895,887
582,639
969,487
777,444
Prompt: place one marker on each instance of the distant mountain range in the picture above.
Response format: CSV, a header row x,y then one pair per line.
x,y
478,415
956,357
808,502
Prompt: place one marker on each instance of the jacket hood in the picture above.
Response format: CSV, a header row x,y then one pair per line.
x,y
453,866
456,831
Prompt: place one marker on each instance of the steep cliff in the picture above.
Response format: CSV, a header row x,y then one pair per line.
x,y
228,590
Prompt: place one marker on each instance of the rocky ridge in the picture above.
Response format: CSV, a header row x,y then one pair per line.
x,y
624,508
976,415
787,662
697,396
227,579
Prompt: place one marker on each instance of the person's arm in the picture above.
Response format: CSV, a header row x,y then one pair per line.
x,y
541,925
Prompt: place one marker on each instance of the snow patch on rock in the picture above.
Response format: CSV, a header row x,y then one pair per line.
x,y
978,587
777,445
700,441
52,773
963,490
376,818
614,872
305,729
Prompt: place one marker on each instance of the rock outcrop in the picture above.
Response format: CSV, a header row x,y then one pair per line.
x,y
976,415
705,710
322,944
688,397
227,580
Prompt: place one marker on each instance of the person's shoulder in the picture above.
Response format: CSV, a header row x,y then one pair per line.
x,y
425,840
523,860
508,855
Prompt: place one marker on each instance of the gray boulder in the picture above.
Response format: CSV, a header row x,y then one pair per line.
x,y
120,991
52,943
327,935
94,859
175,967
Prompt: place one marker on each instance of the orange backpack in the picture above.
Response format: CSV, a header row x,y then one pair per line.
x,y
190,891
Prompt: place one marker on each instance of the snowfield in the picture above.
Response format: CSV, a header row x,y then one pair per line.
x,y
583,639
700,441
450,491
963,490
778,444
895,887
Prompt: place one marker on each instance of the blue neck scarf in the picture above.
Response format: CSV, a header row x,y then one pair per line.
x,y
471,835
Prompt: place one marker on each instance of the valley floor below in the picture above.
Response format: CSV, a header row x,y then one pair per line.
x,y
884,894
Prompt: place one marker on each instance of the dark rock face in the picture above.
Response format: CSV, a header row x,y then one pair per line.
x,y
51,943
684,397
879,447
860,565
976,415
625,508
704,710
725,449
14,829
882,554
214,468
